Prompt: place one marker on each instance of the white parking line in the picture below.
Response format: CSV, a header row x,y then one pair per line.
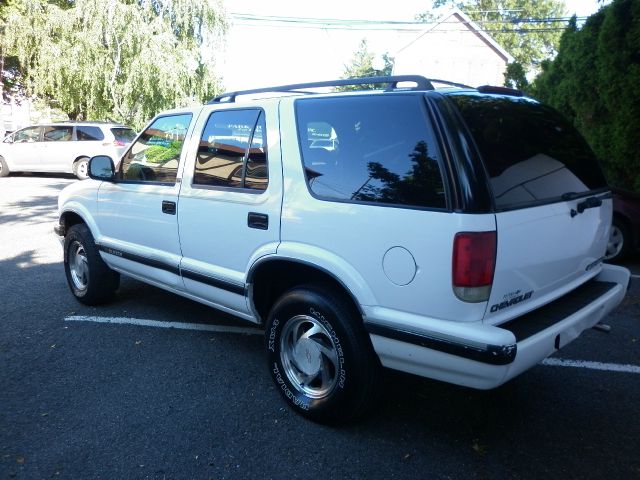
x,y
154,323
550,362
635,276
609,367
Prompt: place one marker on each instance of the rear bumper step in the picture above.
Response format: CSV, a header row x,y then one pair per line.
x,y
485,356
533,322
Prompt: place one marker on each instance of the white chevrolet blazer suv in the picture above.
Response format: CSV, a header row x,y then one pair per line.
x,y
454,233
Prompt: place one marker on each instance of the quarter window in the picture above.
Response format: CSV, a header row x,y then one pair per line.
x,y
531,153
370,149
155,156
232,151
123,135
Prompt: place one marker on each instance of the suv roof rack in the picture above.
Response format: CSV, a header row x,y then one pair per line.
x,y
97,122
500,90
421,82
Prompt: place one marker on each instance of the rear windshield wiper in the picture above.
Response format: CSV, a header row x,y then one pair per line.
x,y
571,196
591,202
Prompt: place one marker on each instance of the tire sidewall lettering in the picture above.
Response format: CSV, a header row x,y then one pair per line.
x,y
296,400
336,340
271,345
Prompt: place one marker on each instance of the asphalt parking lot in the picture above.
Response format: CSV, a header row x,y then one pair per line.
x,y
113,393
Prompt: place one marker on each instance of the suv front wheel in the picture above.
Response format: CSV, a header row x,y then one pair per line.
x,y
320,357
90,279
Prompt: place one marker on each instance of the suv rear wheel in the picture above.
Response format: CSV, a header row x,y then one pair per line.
x,y
319,355
91,281
81,168
4,169
618,246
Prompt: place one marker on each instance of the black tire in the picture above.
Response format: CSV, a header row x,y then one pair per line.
x,y
4,169
320,357
619,245
81,168
91,281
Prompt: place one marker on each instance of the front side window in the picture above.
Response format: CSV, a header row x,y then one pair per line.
x,y
58,134
531,153
27,135
232,151
85,133
155,156
370,149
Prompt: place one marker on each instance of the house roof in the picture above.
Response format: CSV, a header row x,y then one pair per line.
x,y
472,26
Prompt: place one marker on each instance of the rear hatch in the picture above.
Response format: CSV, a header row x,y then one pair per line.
x,y
552,203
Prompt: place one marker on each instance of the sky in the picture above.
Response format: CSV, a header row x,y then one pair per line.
x,y
260,53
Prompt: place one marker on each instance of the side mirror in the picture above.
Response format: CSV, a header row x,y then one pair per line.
x,y
101,168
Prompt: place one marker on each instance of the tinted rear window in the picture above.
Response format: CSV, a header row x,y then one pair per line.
x,y
532,154
125,135
370,149
88,133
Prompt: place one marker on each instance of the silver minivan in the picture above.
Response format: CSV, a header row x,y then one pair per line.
x,y
62,147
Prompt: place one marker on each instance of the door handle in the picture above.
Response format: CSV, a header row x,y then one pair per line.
x,y
258,220
168,207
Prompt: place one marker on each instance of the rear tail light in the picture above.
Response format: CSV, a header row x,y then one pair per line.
x,y
474,260
118,143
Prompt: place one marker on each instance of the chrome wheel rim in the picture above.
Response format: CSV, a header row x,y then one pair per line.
x,y
78,266
82,169
615,244
309,356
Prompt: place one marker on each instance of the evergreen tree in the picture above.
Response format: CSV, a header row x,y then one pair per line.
x,y
594,80
362,66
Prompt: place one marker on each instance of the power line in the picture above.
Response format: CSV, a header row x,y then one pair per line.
x,y
549,24
361,22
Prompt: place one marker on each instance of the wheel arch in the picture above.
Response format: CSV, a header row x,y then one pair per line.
x,y
70,217
270,278
628,224
622,218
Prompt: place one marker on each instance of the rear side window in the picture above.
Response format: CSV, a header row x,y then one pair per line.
x,y
86,133
532,154
57,134
370,149
123,135
232,151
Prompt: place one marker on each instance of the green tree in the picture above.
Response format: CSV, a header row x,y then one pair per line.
x,y
115,59
594,80
529,30
362,65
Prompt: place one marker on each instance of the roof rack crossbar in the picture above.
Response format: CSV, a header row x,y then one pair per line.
x,y
422,83
447,82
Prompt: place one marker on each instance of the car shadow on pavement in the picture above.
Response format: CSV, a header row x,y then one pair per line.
x,y
86,377
32,210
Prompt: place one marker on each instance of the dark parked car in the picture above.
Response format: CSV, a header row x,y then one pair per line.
x,y
625,230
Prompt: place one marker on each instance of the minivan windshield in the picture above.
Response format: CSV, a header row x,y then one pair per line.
x,y
531,153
